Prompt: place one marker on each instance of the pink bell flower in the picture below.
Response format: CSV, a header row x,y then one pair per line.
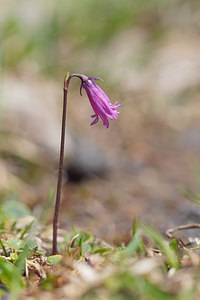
x,y
100,102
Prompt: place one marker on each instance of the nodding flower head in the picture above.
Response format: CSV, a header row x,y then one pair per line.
x,y
100,102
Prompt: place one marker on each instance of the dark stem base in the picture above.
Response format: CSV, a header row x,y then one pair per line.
x,y
60,172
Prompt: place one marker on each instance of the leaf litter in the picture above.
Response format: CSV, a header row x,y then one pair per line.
x,y
147,267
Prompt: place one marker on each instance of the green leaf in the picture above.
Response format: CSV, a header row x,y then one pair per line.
x,y
31,244
68,237
26,253
54,259
20,263
86,247
14,257
174,244
14,209
40,252
135,244
74,230
134,227
87,236
27,228
102,250
81,245
10,276
4,250
154,235
15,244
189,194
120,249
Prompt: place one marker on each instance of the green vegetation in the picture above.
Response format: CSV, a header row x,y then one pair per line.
x,y
139,270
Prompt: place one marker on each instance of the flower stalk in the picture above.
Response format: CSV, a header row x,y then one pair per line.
x,y
60,170
102,107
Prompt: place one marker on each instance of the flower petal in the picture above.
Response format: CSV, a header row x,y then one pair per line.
x,y
100,103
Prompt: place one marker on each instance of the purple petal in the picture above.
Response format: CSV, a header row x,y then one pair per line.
x,y
100,103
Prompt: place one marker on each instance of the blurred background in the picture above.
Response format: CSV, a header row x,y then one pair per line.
x,y
148,53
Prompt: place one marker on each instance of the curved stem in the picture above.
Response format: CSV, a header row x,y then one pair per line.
x,y
62,148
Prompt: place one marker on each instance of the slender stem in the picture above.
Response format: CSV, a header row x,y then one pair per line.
x,y
60,171
62,147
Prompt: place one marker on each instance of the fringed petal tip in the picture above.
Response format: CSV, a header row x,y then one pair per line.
x,y
95,120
